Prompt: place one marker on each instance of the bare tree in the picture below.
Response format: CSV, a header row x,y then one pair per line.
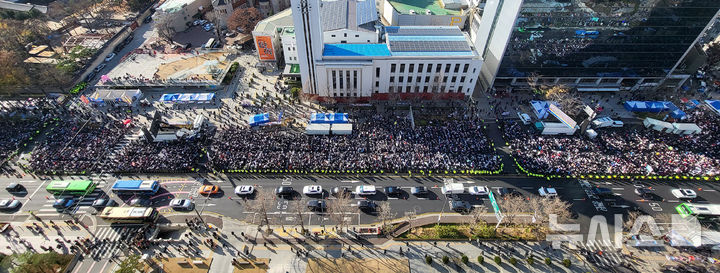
x,y
264,200
512,207
532,80
385,213
340,210
299,208
477,217
165,29
244,20
565,97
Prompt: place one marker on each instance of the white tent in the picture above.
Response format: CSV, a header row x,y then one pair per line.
x,y
317,129
685,128
658,125
342,129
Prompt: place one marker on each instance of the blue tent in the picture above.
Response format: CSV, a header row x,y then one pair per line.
x,y
329,118
319,118
540,108
714,105
649,106
677,114
169,98
259,119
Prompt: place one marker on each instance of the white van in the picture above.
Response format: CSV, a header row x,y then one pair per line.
x,y
365,190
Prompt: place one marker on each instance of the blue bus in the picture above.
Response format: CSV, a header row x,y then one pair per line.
x,y
137,187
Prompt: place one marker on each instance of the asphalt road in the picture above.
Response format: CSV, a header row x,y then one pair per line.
x,y
228,204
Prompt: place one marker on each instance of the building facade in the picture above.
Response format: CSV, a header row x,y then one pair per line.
x,y
602,43
180,12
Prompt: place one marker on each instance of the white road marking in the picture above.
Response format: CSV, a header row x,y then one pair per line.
x,y
673,201
618,189
579,199
527,188
36,190
708,190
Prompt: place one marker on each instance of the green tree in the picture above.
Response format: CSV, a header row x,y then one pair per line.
x,y
445,259
567,263
131,264
428,259
464,259
481,259
498,260
548,261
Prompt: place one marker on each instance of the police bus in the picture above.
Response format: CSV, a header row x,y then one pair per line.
x,y
135,187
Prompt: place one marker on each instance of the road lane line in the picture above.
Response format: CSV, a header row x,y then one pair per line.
x,y
36,190
709,190
618,189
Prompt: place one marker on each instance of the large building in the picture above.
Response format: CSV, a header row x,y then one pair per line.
x,y
180,12
404,62
617,45
424,12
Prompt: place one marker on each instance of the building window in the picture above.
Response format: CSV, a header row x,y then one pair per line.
x,y
444,81
425,88
335,95
412,68
368,41
462,79
465,69
437,68
343,42
392,68
409,79
344,34
377,84
420,67
417,89
473,70
401,79
454,79
391,89
354,94
402,68
418,79
407,89
447,68
357,36
334,80
377,72
460,90
392,79
332,35
341,81
429,68
427,79
355,79
457,68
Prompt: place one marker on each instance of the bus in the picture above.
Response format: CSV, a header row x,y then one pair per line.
x,y
138,187
71,187
701,211
210,43
129,215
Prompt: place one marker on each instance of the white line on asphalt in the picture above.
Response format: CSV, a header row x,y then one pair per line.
x,y
528,188
46,215
673,201
579,199
709,190
392,198
618,189
36,190
28,181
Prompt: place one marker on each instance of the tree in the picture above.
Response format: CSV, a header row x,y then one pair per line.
x,y
385,214
511,207
341,210
165,29
543,208
131,264
264,199
14,75
477,215
565,97
298,208
244,20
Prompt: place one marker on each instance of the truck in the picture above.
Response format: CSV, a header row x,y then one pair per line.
x,y
555,128
606,122
452,188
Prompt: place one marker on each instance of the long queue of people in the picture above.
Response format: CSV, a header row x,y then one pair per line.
x,y
638,152
378,143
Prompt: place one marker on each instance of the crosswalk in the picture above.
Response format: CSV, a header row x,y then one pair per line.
x,y
111,240
82,205
602,253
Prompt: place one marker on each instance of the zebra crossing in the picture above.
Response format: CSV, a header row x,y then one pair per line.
x,y
82,205
602,253
111,240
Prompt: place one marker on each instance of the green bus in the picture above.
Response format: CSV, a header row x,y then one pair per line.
x,y
71,187
701,211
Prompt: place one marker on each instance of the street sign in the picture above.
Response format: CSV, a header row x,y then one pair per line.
x,y
495,206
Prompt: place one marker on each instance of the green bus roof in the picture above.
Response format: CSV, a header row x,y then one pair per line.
x,y
70,185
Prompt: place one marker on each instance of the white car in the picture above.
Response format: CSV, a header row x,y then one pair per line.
x,y
110,57
547,192
181,204
365,190
683,193
312,189
478,190
7,204
244,190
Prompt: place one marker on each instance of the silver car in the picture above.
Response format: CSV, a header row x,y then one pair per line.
x,y
181,204
7,204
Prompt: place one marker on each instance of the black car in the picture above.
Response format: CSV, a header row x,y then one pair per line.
x,y
15,188
284,191
366,205
644,192
393,191
341,190
317,205
419,191
603,192
103,202
147,19
460,206
508,192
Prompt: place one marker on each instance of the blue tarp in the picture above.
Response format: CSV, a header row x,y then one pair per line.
x,y
540,108
677,114
714,105
649,106
187,97
259,119
329,118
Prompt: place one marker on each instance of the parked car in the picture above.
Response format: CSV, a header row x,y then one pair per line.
x,y
90,76
15,188
181,204
643,192
366,205
684,193
284,191
478,190
209,189
110,57
9,204
244,190
99,68
460,206
147,19
317,205
508,192
547,192
140,202
103,202
419,191
63,203
365,190
603,192
312,190
393,191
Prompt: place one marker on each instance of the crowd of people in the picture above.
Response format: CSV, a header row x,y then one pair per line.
x,y
74,145
638,152
144,156
377,143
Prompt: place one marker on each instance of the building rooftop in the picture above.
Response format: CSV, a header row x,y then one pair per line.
x,y
356,50
444,39
277,21
348,14
171,6
288,31
420,6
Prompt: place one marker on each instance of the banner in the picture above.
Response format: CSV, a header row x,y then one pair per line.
x,y
265,49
